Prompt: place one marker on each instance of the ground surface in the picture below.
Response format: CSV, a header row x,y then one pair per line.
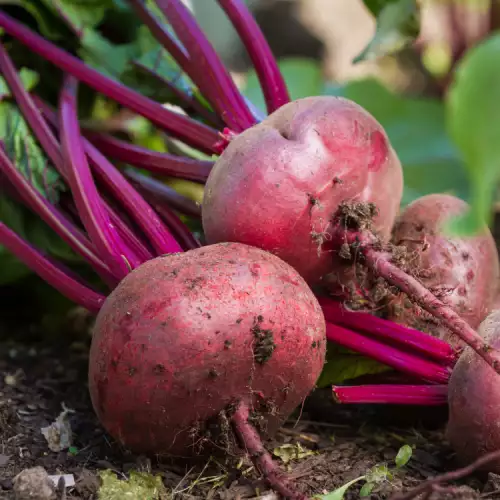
x,y
36,379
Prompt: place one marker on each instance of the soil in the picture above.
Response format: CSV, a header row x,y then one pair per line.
x,y
38,378
43,369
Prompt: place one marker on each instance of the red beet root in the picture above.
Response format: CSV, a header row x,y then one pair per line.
x,y
278,184
462,272
474,402
184,338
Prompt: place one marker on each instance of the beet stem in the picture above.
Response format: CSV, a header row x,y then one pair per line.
x,y
184,128
54,274
53,217
414,340
380,263
163,194
152,161
391,356
188,102
33,117
426,395
206,66
261,458
85,194
146,218
31,114
271,80
181,232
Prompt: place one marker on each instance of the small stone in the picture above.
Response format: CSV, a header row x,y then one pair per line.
x,y
34,484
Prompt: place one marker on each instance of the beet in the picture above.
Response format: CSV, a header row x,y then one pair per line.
x,y
474,401
462,271
278,184
185,337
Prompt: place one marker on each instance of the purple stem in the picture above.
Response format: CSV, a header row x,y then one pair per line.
x,y
137,252
145,217
54,275
153,161
188,103
181,232
388,355
184,128
426,395
270,77
87,199
163,194
53,218
206,66
33,117
28,108
413,340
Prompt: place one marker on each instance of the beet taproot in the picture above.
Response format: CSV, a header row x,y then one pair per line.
x,y
474,401
278,184
463,272
185,337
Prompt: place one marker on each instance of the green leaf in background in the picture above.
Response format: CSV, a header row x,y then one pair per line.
x,y
417,131
473,119
403,456
28,78
339,493
341,366
396,28
79,14
303,78
376,6
104,56
25,153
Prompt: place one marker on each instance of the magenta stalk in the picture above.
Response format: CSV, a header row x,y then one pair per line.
x,y
421,395
398,359
184,128
188,102
85,194
135,205
180,231
53,274
153,190
413,340
271,80
206,66
152,161
53,218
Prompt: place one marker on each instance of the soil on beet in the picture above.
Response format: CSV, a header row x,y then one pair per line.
x,y
38,378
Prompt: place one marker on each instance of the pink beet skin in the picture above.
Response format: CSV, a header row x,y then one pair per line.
x,y
186,336
474,401
462,272
278,184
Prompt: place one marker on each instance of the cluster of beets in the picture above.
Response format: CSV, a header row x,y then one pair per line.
x,y
199,347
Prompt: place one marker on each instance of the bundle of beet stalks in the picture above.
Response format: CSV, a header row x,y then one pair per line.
x,y
204,347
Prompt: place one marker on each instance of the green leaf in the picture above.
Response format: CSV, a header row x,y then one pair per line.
x,y
366,489
473,119
403,456
396,28
28,78
104,56
339,493
140,485
79,14
417,130
302,76
341,367
375,6
25,153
